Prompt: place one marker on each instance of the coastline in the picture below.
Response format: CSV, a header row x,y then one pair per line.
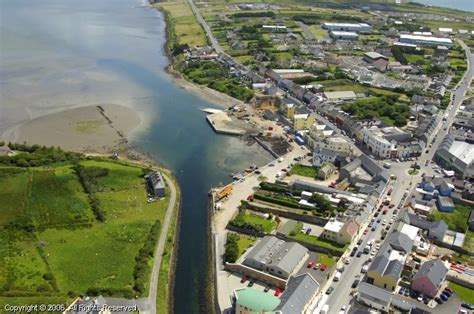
x,y
203,92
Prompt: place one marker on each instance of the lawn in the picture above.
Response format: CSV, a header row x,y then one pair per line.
x,y
319,242
326,259
250,218
463,293
457,220
306,171
244,243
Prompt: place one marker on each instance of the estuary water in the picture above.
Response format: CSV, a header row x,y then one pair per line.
x,y
58,54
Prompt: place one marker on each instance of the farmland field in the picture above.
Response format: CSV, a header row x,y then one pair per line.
x,y
54,246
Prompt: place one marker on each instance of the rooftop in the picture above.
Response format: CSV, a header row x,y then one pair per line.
x,y
298,293
463,151
334,226
427,38
256,300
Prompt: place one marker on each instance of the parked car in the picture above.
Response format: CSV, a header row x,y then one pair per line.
x,y
449,290
251,282
438,300
278,292
347,261
267,288
355,283
468,306
359,254
308,231
401,291
443,297
329,290
359,242
323,267
244,279
310,264
366,231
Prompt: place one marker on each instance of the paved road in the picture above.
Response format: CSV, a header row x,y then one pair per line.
x,y
151,300
341,294
210,35
457,97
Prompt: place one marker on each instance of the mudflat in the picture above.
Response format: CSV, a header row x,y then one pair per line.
x,y
96,128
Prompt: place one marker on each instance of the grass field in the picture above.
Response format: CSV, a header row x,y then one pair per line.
x,y
306,171
71,252
463,293
67,205
185,26
457,220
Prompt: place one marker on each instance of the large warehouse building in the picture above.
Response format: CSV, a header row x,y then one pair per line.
x,y
352,27
426,40
277,257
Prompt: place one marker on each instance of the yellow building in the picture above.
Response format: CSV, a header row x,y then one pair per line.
x,y
303,121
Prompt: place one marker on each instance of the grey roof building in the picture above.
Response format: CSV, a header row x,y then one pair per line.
x,y
299,294
363,170
155,184
374,296
400,242
276,256
434,229
429,277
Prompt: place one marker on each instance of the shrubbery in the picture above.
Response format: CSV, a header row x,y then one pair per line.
x,y
36,155
239,222
273,187
143,258
232,248
216,76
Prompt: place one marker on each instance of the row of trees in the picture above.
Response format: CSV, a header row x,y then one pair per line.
x,y
143,258
88,177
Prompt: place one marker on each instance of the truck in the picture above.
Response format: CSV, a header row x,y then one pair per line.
x,y
337,276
